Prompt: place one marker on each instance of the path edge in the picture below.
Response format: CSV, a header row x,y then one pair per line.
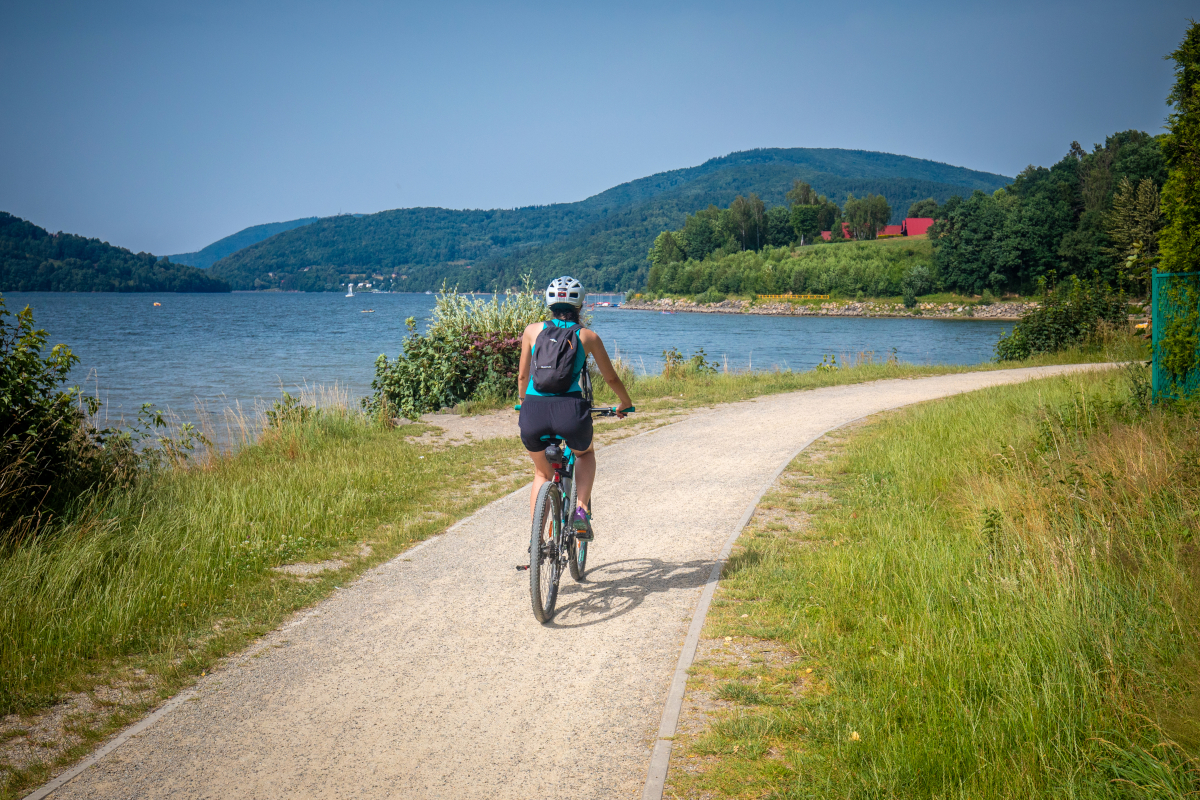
x,y
660,757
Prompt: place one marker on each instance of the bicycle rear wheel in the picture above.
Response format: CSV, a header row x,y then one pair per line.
x,y
576,550
544,540
577,558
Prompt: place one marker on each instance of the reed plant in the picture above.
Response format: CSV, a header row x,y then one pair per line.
x,y
507,313
1001,599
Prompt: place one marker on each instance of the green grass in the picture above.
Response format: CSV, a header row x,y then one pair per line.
x,y
998,596
176,573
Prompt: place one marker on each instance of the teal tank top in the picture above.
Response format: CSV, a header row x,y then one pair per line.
x,y
580,359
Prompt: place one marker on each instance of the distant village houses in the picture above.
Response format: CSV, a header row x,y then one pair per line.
x,y
912,226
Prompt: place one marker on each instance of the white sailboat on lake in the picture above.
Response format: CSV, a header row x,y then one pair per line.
x,y
351,292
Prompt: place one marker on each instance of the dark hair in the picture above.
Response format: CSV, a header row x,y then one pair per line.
x,y
565,312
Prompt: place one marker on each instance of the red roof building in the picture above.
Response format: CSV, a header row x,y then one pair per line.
x,y
892,230
915,226
827,235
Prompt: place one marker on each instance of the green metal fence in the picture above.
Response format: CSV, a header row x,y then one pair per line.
x,y
1175,326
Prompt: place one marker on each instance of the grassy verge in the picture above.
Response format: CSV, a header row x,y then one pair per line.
x,y
144,590
995,595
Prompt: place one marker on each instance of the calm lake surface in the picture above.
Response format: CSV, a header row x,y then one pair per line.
x,y
247,347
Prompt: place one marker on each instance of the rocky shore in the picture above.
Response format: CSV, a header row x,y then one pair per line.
x,y
839,308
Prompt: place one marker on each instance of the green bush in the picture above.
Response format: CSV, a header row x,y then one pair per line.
x,y
710,295
471,351
1071,313
675,365
49,451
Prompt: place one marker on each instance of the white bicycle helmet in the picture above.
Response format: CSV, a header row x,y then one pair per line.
x,y
565,290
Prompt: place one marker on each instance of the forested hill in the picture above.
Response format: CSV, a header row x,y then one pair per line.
x,y
603,240
33,260
208,256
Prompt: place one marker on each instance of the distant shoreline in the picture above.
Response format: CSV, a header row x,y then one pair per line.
x,y
996,312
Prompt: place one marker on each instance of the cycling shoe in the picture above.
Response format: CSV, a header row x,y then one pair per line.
x,y
583,525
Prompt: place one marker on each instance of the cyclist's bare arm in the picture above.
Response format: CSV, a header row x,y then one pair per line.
x,y
593,346
528,337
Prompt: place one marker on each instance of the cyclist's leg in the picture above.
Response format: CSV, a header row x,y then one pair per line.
x,y
537,426
542,472
585,476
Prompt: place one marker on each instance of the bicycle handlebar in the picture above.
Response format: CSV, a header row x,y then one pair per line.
x,y
612,411
604,412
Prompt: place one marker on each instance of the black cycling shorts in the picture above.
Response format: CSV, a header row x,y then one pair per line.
x,y
568,416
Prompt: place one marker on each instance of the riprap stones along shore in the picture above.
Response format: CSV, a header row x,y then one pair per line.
x,y
839,308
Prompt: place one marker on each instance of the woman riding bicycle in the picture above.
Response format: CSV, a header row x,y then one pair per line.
x,y
566,412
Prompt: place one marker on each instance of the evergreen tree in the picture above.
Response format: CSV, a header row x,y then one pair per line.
x,y
1180,240
1134,225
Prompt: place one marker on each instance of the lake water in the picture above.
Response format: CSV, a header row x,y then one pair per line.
x,y
219,348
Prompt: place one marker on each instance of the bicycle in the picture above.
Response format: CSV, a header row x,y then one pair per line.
x,y
552,541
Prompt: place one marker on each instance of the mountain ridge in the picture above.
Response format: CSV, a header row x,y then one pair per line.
x,y
207,256
488,249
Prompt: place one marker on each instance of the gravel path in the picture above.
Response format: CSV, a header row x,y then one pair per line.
x,y
429,678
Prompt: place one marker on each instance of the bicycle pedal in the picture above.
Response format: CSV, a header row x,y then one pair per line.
x,y
522,567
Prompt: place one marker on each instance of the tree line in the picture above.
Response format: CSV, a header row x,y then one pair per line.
x,y
747,224
896,267
34,260
1095,215
1082,217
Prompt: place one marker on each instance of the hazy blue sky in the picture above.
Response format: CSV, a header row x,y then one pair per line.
x,y
163,127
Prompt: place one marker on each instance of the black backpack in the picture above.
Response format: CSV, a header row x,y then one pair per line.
x,y
554,359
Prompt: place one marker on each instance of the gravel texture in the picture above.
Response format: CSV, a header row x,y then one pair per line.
x,y
429,677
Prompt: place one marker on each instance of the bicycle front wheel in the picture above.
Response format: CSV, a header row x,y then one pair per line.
x,y
544,541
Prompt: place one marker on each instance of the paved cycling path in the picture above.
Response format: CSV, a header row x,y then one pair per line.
x,y
429,678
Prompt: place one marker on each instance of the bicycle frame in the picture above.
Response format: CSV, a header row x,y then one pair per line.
x,y
560,547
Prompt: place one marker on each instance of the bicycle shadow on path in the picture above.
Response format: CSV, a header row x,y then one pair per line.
x,y
615,588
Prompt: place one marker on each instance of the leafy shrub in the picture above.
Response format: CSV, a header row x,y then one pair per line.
x,y
49,451
471,351
288,410
1071,313
710,295
675,365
